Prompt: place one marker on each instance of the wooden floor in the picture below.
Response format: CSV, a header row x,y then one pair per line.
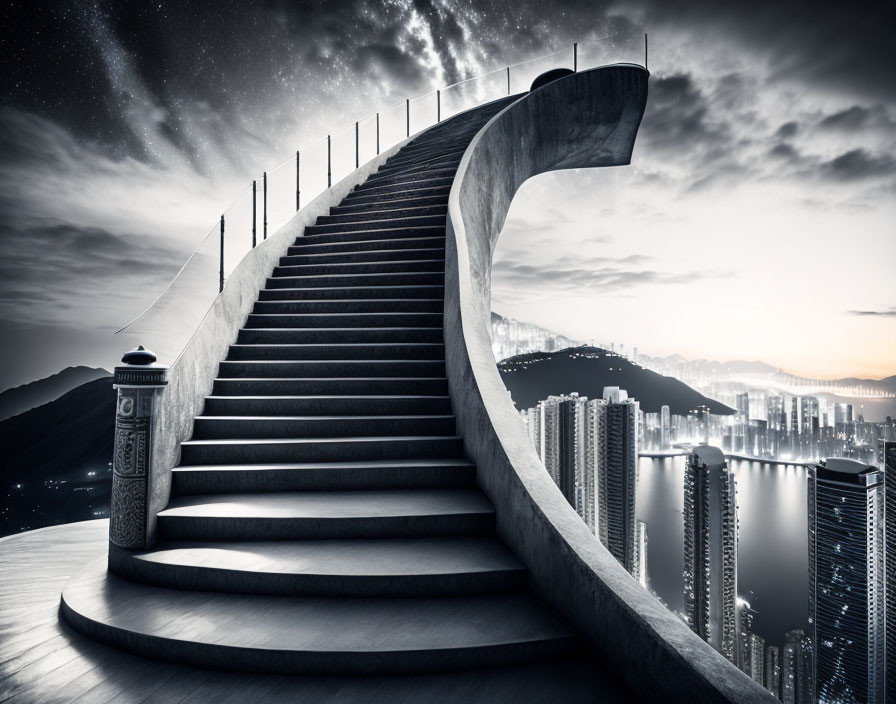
x,y
42,660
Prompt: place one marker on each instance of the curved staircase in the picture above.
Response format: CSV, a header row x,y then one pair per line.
x,y
323,518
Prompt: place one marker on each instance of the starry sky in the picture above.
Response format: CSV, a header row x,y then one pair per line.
x,y
756,220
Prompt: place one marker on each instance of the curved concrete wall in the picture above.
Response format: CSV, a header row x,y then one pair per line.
x,y
585,120
192,374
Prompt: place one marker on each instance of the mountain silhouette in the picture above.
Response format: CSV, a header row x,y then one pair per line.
x,y
533,377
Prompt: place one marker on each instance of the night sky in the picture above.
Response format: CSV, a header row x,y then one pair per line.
x,y
755,222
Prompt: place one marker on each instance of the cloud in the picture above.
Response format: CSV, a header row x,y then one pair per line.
x,y
581,275
788,130
86,275
883,313
858,164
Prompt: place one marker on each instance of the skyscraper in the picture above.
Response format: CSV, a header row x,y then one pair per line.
x,y
773,671
757,658
620,466
640,570
796,669
571,472
665,428
710,551
847,584
889,458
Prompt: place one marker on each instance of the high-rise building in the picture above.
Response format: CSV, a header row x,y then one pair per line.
x,y
794,427
742,405
756,662
847,583
710,551
772,671
796,669
595,460
571,471
549,417
889,464
621,469
842,415
640,571
665,428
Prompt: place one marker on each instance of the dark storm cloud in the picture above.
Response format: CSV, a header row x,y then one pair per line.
x,y
788,130
857,165
829,43
886,313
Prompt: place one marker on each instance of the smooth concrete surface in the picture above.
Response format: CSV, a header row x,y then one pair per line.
x,y
588,119
313,635
442,566
44,661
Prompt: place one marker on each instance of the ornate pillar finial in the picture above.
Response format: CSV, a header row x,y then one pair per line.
x,y
139,383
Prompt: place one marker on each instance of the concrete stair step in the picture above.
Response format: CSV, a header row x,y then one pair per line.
x,y
382,233
322,476
263,451
308,247
374,222
399,163
399,266
320,515
344,320
435,278
402,191
437,173
412,350
212,427
383,386
398,184
372,255
338,335
313,635
352,292
372,405
362,305
337,215
315,368
439,199
393,567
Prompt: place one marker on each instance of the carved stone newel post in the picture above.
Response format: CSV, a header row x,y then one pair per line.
x,y
140,383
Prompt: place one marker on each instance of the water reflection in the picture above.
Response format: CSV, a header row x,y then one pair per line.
x,y
773,554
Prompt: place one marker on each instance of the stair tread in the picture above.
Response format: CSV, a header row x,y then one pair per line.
x,y
331,504
382,229
379,557
300,441
348,464
394,416
311,624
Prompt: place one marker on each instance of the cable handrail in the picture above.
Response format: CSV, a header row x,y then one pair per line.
x,y
396,134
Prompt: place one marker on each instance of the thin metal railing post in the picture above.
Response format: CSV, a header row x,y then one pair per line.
x,y
508,80
265,210
645,50
221,259
575,57
254,213
329,165
377,133
438,106
298,182
407,107
357,153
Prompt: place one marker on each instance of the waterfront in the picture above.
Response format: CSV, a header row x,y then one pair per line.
x,y
773,553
